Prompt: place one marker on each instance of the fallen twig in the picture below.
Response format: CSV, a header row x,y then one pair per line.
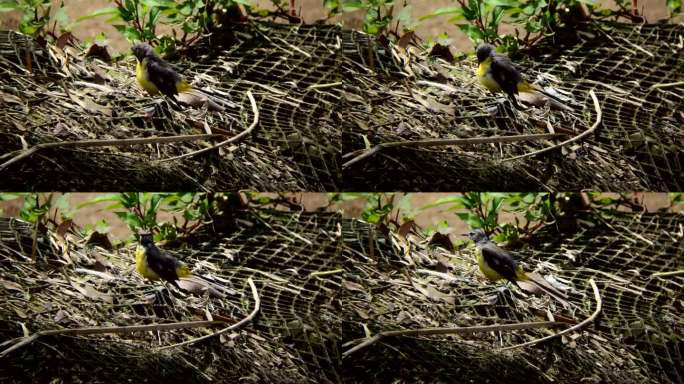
x,y
597,107
443,331
239,324
235,138
25,340
597,297
24,153
443,142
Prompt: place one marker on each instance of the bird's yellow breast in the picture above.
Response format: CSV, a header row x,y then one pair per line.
x,y
484,74
489,273
141,264
142,76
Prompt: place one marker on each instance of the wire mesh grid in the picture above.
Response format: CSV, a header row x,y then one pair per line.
x,y
632,69
53,96
293,339
322,279
631,256
637,337
398,96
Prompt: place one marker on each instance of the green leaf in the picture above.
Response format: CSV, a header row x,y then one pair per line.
x,y
109,11
458,200
502,3
4,196
130,219
9,6
444,11
350,6
61,17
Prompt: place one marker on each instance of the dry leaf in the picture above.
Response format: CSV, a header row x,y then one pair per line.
x,y
11,286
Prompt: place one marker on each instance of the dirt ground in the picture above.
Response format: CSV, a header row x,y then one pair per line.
x,y
311,10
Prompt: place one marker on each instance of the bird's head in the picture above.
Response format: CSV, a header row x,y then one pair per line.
x,y
142,50
484,51
477,235
146,239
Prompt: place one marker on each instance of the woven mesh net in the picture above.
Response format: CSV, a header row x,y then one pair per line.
x,y
322,279
50,96
408,97
323,93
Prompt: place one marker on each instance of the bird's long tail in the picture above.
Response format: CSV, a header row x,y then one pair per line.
x,y
197,98
554,100
535,283
198,284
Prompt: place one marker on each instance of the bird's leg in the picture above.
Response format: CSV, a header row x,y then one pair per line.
x,y
174,103
515,103
171,295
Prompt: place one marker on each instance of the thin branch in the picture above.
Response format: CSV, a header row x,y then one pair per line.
x,y
443,331
239,324
668,274
597,297
442,142
589,131
667,85
103,143
22,341
233,139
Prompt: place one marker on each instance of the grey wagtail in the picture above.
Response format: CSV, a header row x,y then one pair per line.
x,y
497,264
154,264
155,75
498,74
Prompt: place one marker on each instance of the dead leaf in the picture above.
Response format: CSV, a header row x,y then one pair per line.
x,y
362,314
63,227
99,50
59,316
88,291
198,99
352,286
11,286
433,294
64,39
441,240
9,98
100,239
406,39
405,228
443,51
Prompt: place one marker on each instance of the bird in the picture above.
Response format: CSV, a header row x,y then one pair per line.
x,y
155,75
497,264
498,74
155,264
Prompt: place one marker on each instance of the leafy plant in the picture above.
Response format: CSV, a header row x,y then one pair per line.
x,y
379,206
378,13
140,211
35,19
36,208
482,210
480,19
140,19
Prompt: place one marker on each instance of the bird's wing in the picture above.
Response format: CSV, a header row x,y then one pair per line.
x,y
163,76
162,263
499,260
506,74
